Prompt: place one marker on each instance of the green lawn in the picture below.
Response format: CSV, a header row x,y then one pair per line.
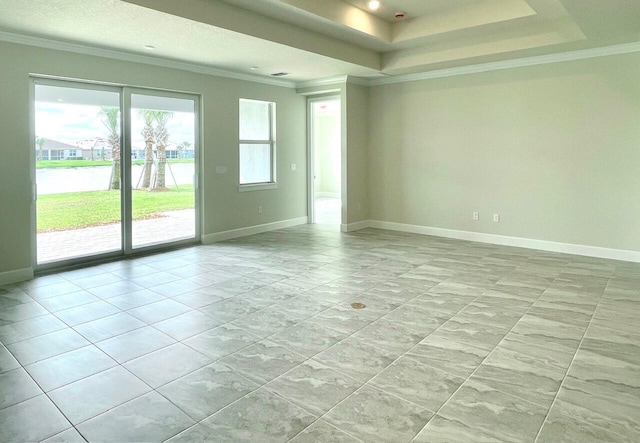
x,y
88,163
74,210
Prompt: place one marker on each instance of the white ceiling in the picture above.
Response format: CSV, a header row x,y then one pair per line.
x,y
316,39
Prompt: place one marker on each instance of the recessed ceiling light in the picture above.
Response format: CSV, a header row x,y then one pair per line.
x,y
374,5
279,74
149,47
255,68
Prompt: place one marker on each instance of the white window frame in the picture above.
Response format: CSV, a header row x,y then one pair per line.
x,y
272,184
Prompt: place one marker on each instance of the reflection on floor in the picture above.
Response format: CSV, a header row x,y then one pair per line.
x,y
256,340
328,211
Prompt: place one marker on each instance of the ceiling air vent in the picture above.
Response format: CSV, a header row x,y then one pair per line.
x,y
279,74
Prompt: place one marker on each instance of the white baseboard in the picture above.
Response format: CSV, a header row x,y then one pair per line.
x,y
250,230
355,226
544,245
327,195
16,276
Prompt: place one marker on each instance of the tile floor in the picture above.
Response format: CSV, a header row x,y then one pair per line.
x,y
255,340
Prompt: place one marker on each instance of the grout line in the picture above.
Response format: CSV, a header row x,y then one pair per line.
x,y
359,269
555,397
475,370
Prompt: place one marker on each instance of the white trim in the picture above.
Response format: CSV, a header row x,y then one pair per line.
x,y
624,48
512,63
333,81
362,81
544,245
138,58
250,230
257,187
356,226
322,82
16,275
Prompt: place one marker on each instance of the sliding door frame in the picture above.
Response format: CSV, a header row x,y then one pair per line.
x,y
126,218
127,209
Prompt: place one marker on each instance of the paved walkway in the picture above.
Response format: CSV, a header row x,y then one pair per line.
x,y
61,245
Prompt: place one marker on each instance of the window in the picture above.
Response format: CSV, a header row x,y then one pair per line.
x,y
257,142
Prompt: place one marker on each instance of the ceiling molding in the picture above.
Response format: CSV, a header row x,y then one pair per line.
x,y
509,64
358,80
201,69
323,82
334,80
137,58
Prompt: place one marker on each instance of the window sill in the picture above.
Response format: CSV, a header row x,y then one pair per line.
x,y
257,187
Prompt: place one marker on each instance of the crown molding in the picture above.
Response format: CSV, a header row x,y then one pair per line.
x,y
207,70
77,48
323,82
513,63
358,80
333,81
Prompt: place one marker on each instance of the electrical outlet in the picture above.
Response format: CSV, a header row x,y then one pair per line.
x,y
496,218
259,209
476,216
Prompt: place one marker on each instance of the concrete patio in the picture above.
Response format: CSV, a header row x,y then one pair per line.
x,y
62,245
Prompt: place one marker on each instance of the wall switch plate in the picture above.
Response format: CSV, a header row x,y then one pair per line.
x,y
476,216
496,218
293,166
259,209
221,169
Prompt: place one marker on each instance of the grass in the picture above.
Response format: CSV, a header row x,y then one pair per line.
x,y
89,163
74,210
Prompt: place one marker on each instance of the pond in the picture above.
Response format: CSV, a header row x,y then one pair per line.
x,y
96,178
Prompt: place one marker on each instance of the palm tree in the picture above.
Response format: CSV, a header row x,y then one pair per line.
x,y
184,146
162,140
109,116
40,143
148,134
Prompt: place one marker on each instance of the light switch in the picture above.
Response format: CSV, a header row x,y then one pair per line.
x,y
221,169
293,166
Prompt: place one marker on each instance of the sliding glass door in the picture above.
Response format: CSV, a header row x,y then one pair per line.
x,y
163,156
114,171
77,171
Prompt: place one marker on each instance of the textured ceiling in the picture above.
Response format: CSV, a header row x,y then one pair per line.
x,y
315,39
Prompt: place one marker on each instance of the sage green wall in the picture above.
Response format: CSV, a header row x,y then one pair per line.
x,y
354,101
224,207
355,109
554,149
327,149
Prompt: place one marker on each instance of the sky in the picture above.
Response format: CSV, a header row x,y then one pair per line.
x,y
69,123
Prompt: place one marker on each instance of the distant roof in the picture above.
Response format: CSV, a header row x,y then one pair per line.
x,y
94,142
54,144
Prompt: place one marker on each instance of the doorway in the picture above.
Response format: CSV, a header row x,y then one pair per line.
x,y
325,161
114,171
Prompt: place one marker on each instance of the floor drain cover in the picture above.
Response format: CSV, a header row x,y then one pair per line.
x,y
358,305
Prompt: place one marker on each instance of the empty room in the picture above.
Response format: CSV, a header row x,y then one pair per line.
x,y
319,221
